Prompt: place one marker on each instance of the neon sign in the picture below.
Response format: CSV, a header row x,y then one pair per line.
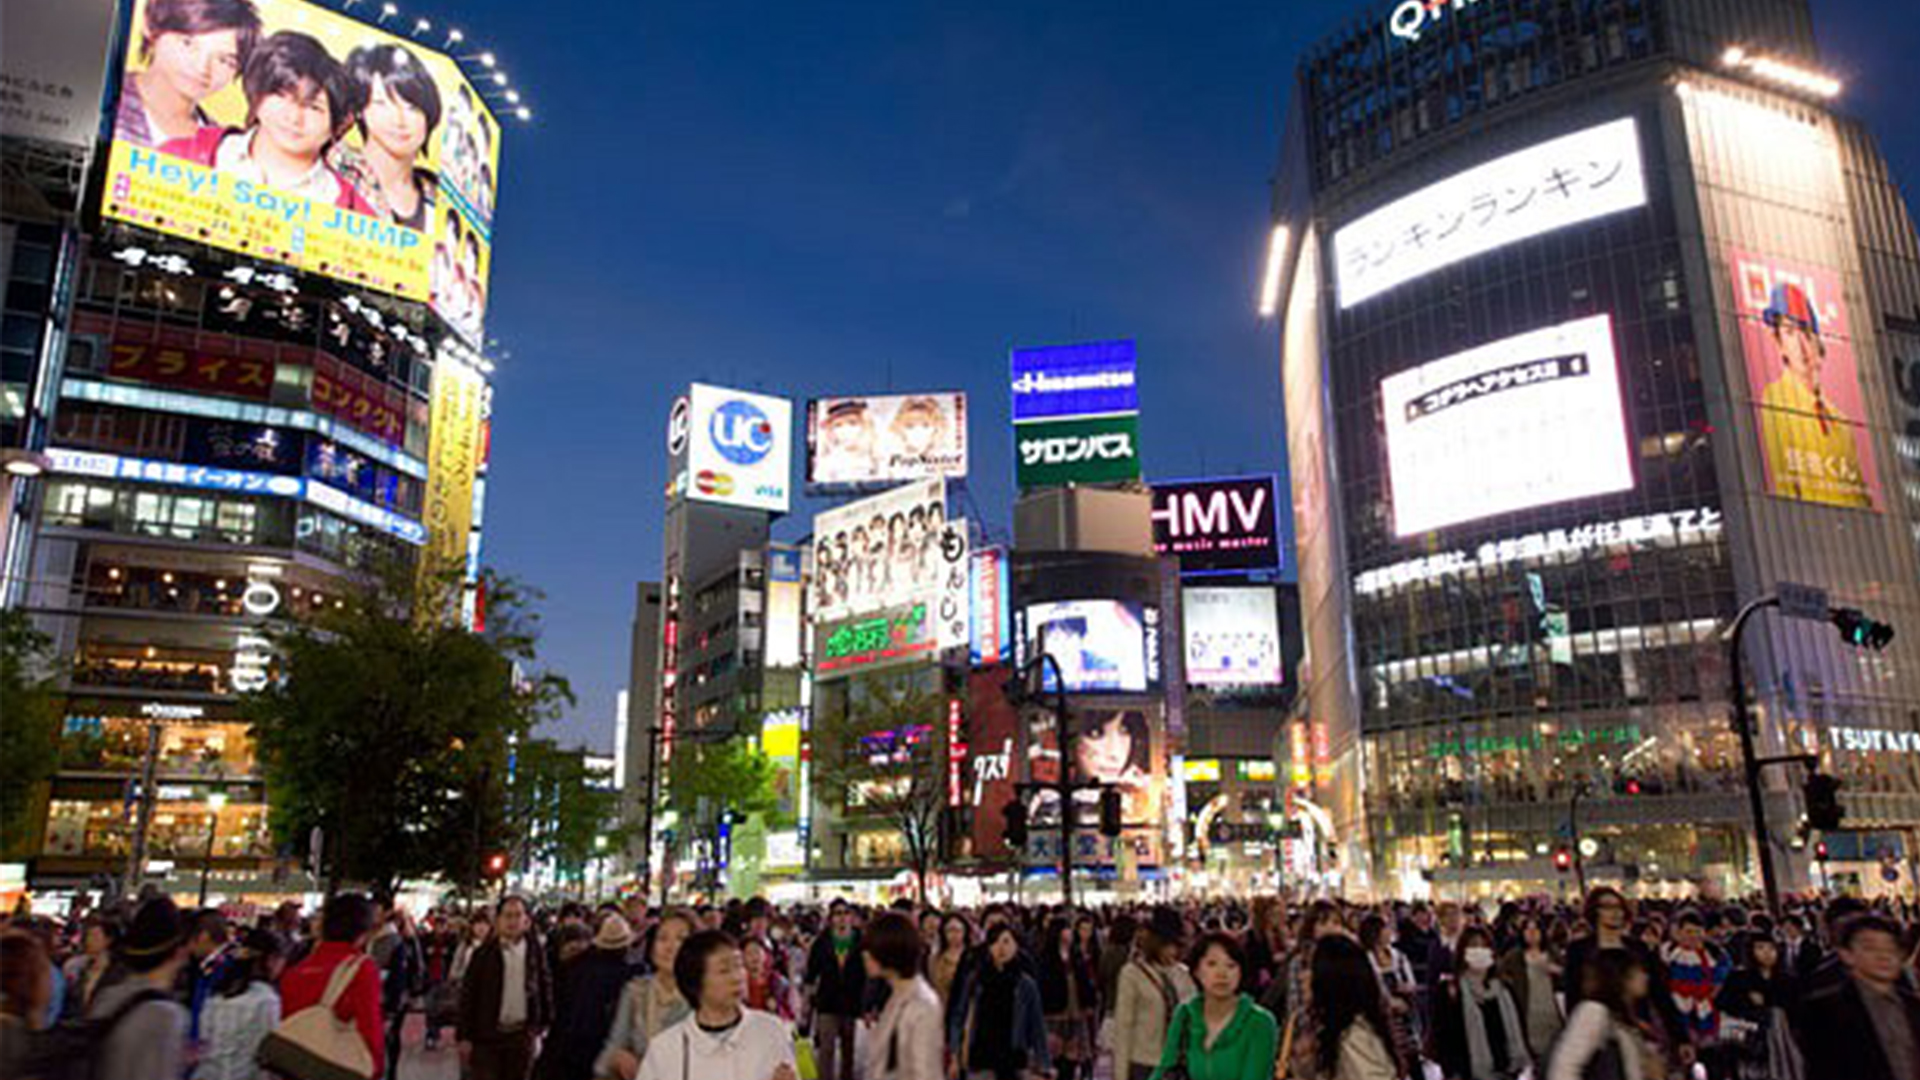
x,y
1412,18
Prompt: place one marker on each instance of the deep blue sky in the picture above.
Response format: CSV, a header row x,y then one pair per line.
x,y
835,197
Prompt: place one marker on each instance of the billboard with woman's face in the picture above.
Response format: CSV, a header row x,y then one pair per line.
x,y
284,131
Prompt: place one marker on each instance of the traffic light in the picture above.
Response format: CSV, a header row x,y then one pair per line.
x,y
1563,859
1860,631
497,864
1015,829
1820,851
1109,812
1822,793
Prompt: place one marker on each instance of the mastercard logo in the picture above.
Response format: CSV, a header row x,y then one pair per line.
x,y
709,482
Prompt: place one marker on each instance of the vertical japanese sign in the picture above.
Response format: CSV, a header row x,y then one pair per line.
x,y
453,458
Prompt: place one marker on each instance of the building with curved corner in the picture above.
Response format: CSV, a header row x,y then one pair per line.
x,y
1598,321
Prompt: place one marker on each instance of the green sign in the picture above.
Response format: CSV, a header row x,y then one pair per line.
x,y
1628,735
1097,450
898,634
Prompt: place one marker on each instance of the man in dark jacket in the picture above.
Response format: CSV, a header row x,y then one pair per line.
x,y
586,992
836,984
506,1000
1867,1025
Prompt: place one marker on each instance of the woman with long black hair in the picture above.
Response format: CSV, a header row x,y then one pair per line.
x,y
1001,1030
1349,1016
1069,998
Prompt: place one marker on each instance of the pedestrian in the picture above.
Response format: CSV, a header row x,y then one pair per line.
x,y
26,983
586,994
722,1040
649,1004
148,1041
1753,1006
836,988
402,975
1222,1034
242,1010
1069,997
767,989
1531,971
956,937
1348,1022
1479,1035
210,946
1150,988
1002,1031
87,971
1399,988
1603,1039
506,1002
1865,1026
908,1040
1610,915
1115,953
346,926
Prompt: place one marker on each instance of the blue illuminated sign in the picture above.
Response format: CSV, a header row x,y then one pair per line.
x,y
741,432
1062,381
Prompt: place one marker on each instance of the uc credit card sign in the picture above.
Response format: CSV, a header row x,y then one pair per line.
x,y
1062,382
740,449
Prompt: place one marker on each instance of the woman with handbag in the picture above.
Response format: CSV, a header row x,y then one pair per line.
x,y
907,1041
1222,1034
1348,1018
1002,1033
1151,986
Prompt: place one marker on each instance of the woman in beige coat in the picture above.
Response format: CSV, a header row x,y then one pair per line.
x,y
908,1042
1151,986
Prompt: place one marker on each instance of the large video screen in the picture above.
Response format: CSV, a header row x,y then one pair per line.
x,y
1101,645
739,448
855,441
287,131
1525,421
1805,383
1061,382
1232,636
1564,181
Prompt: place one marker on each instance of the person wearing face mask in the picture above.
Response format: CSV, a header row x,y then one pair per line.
x,y
1479,1033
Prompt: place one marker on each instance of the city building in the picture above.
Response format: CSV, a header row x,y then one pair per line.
x,y
1596,324
240,422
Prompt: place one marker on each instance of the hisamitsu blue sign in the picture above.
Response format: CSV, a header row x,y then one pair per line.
x,y
1091,379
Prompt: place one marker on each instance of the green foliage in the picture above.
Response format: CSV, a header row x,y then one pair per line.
x,y
555,808
391,732
885,759
715,776
29,731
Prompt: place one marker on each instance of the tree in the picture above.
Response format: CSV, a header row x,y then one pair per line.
x,y
390,732
885,759
556,808
709,780
29,730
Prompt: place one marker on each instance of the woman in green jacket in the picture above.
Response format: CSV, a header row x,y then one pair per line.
x,y
1222,1034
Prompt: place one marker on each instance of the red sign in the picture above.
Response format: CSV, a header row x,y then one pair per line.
x,y
364,402
205,369
987,783
956,753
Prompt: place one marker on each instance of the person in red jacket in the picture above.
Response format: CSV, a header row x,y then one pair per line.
x,y
346,924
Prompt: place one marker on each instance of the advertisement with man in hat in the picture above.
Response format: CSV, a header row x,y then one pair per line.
x,y
1806,387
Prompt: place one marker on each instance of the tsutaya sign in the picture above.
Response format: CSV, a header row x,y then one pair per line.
x,y
1411,18
1874,740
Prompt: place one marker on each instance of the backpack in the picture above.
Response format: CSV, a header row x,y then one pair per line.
x,y
71,1049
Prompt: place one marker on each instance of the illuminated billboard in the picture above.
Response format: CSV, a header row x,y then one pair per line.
x,y
856,441
1232,636
1061,382
53,55
781,625
990,611
287,131
1520,422
739,449
1097,450
892,553
1102,646
1805,382
1225,526
1550,185
453,459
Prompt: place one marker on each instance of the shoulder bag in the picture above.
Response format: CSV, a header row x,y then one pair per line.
x,y
314,1043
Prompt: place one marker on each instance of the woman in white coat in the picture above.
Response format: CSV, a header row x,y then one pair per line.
x,y
723,1039
908,1042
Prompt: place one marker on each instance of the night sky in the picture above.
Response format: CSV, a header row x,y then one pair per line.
x,y
820,198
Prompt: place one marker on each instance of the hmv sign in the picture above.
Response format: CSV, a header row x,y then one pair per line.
x,y
1224,526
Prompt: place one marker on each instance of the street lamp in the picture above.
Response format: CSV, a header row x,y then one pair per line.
x,y
216,801
599,863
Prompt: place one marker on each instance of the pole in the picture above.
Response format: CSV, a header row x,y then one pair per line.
x,y
143,814
1743,724
1064,784
646,815
1573,827
206,865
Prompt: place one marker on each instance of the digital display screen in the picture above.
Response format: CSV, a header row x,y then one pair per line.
x,y
1101,645
1219,526
1525,421
1063,382
1232,636
858,441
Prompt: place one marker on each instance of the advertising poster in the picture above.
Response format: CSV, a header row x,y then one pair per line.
x,y
780,647
453,457
1233,636
1111,745
1061,382
1524,421
1805,383
287,131
1101,450
885,551
1101,645
53,62
739,448
1225,526
990,611
992,734
856,441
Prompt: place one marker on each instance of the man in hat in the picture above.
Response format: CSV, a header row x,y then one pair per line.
x,y
1812,454
149,1040
586,992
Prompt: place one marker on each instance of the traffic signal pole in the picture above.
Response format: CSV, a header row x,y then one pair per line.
x,y
1743,726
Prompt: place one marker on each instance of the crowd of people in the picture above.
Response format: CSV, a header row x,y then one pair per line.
x,y
1321,990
